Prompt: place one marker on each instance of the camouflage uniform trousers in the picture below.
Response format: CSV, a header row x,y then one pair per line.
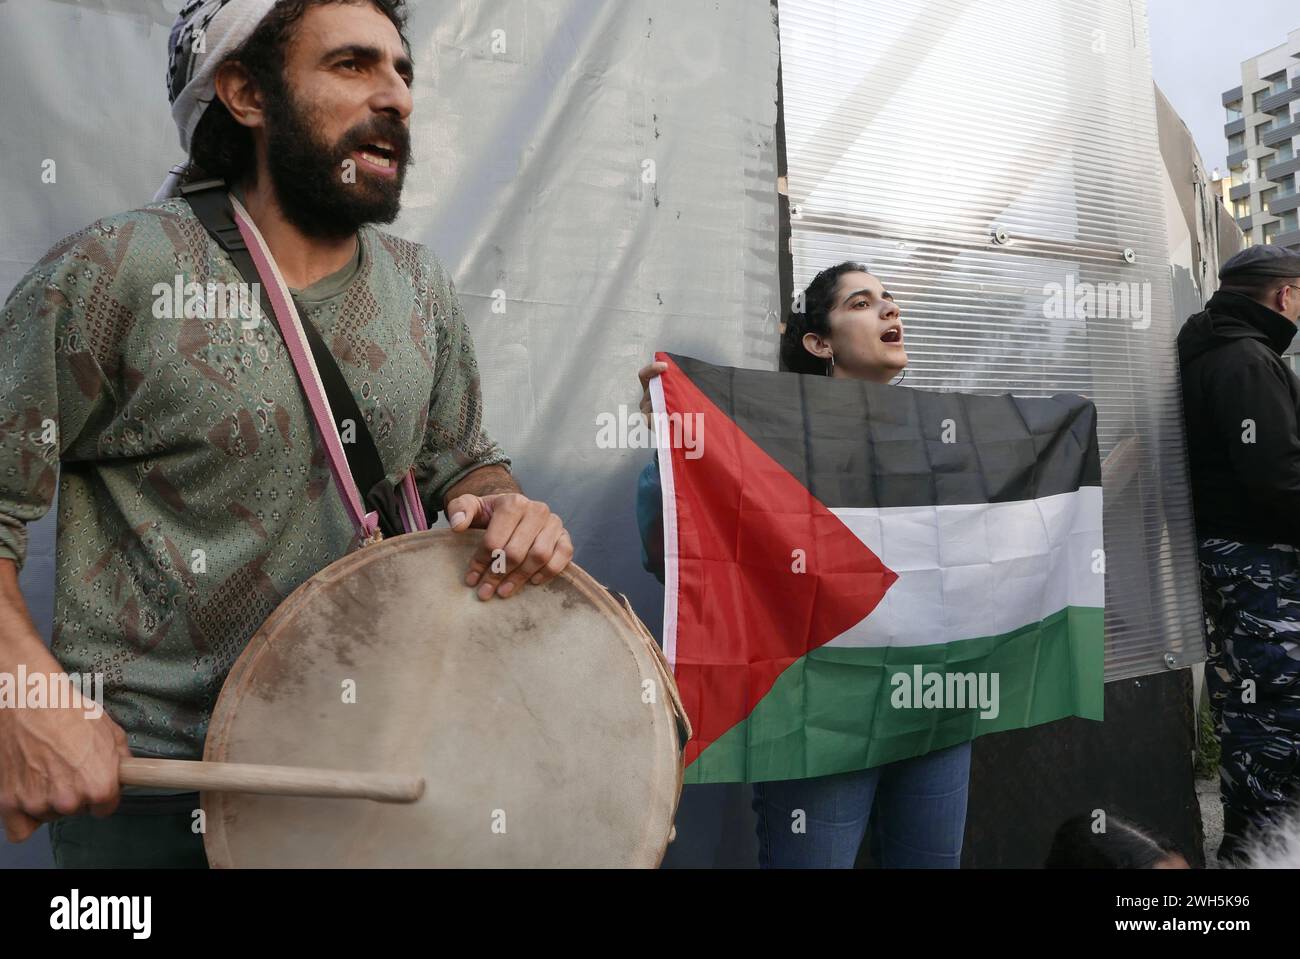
x,y
1251,594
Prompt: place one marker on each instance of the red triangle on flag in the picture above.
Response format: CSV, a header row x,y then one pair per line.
x,y
765,572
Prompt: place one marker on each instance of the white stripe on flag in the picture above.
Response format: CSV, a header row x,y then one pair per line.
x,y
978,570
662,442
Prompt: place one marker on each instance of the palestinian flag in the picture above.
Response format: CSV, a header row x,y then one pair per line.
x,y
858,574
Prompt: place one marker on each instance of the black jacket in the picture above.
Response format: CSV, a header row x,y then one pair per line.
x,y
1241,403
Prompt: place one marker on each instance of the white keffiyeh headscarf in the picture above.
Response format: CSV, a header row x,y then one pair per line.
x,y
205,33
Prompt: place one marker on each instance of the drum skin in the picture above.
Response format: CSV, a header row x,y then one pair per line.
x,y
527,717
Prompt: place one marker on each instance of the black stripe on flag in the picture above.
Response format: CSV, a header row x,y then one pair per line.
x,y
859,444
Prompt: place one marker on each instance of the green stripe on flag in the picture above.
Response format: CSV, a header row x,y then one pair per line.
x,y
831,711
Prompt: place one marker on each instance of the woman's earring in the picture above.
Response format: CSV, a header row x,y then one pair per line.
x,y
830,369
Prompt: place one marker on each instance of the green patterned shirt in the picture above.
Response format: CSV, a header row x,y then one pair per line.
x,y
194,494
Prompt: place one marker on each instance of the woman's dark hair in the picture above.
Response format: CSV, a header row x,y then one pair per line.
x,y
222,147
811,313
1123,845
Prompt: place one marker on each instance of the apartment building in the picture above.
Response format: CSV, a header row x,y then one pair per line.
x,y
1263,131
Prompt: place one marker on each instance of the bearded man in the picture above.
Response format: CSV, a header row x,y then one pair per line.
x,y
195,491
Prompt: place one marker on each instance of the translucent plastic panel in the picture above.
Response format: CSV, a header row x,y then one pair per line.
x,y
996,164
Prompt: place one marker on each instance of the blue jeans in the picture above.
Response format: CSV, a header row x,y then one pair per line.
x,y
920,809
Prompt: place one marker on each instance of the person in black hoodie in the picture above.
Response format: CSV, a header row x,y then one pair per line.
x,y
1241,403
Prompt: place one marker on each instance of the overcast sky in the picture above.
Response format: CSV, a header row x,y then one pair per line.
x,y
1196,51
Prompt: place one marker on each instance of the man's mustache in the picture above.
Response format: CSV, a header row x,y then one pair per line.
x,y
392,132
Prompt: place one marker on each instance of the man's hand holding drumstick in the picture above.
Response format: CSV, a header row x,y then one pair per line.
x,y
53,761
524,541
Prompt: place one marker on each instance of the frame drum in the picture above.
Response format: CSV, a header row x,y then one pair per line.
x,y
547,726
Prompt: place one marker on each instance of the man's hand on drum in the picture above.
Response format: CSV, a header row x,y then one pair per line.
x,y
524,543
54,763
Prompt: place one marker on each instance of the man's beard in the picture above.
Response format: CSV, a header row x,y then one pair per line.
x,y
320,187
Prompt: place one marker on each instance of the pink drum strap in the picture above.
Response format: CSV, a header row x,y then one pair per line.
x,y
287,319
413,517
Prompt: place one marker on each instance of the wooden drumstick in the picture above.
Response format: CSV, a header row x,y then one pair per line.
x,y
270,780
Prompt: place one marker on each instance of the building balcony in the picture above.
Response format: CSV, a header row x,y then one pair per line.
x,y
1239,192
1280,171
1235,127
1274,137
1290,239
1232,96
1246,223
1236,159
1269,104
1282,204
